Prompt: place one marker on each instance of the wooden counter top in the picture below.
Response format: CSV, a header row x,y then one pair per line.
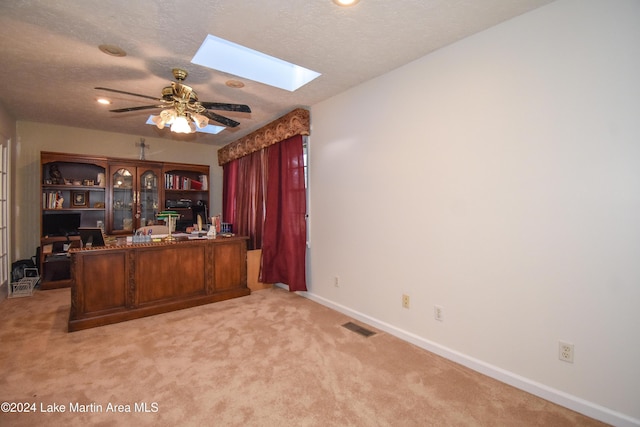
x,y
121,243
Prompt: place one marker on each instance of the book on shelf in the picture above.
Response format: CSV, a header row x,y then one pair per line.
x,y
52,200
178,182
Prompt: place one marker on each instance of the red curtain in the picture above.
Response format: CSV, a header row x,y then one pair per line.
x,y
285,227
249,201
230,180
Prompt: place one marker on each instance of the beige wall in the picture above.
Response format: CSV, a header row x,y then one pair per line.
x,y
498,178
32,138
7,123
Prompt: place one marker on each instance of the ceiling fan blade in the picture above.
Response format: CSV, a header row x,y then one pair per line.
x,y
226,107
220,119
143,107
128,93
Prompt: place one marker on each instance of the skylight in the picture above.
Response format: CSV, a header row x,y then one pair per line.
x,y
212,129
232,58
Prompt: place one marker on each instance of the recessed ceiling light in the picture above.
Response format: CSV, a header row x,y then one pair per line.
x,y
103,101
112,50
223,55
345,2
236,84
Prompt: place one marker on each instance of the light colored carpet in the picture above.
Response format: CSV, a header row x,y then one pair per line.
x,y
269,359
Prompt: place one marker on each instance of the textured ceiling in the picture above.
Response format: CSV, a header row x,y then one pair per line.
x,y
51,62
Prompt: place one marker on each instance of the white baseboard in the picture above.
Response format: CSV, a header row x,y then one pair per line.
x,y
558,397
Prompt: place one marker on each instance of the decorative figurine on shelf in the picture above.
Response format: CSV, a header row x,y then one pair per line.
x,y
216,222
56,175
211,233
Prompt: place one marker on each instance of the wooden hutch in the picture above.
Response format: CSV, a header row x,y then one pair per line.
x,y
118,195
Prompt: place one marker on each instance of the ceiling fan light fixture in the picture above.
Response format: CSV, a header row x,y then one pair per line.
x,y
157,120
180,122
200,120
210,129
345,3
183,113
181,125
103,101
168,116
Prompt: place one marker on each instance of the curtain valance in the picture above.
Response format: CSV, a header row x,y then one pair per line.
x,y
294,123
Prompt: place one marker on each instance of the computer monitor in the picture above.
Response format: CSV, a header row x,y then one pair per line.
x,y
91,237
60,224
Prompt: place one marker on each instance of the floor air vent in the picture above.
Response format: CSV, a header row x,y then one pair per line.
x,y
358,329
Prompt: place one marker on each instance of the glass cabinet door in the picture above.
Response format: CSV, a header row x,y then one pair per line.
x,y
148,198
122,204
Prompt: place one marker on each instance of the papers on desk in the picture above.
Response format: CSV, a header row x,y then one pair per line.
x,y
198,235
190,236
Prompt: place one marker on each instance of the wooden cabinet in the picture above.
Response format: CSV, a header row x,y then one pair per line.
x,y
186,191
135,196
120,283
119,195
73,195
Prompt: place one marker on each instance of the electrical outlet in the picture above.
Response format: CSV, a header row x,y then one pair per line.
x,y
405,301
438,313
336,281
565,351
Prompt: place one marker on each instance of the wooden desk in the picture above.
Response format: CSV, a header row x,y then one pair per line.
x,y
118,283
